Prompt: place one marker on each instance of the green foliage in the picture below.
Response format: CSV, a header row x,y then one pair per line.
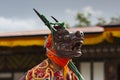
x,y
115,20
83,20
101,21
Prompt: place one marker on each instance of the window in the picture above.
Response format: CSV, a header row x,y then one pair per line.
x,y
92,70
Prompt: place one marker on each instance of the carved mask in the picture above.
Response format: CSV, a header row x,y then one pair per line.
x,y
66,44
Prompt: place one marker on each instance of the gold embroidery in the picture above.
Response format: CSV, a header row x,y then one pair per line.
x,y
35,68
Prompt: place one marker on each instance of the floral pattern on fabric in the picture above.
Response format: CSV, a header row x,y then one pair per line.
x,y
44,72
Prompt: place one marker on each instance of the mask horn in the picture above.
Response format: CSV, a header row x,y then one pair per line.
x,y
55,19
43,18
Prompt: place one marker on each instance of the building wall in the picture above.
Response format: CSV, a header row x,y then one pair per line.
x,y
92,70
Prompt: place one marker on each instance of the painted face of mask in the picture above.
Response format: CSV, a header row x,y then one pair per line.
x,y
67,44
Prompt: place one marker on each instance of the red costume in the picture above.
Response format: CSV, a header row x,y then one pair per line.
x,y
44,71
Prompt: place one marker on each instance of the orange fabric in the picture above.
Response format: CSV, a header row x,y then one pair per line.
x,y
49,41
66,71
62,62
59,61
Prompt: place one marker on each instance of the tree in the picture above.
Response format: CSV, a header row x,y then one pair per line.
x,y
101,21
83,20
115,20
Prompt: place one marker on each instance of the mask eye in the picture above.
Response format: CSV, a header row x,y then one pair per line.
x,y
79,34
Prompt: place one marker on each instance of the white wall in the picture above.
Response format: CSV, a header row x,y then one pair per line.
x,y
98,70
5,75
85,70
17,76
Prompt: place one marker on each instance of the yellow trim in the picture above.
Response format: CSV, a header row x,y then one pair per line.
x,y
93,40
107,35
116,34
11,42
90,39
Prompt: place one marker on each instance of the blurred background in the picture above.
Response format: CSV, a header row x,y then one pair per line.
x,y
22,35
